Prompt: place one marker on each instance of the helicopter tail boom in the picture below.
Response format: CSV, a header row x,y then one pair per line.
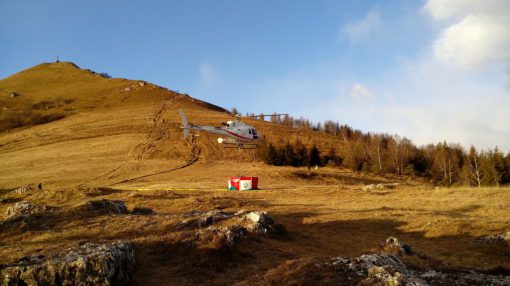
x,y
186,126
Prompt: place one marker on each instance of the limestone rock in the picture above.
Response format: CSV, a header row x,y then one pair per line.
x,y
23,189
262,223
107,206
219,237
394,246
88,264
25,208
204,220
233,227
388,269
496,240
380,186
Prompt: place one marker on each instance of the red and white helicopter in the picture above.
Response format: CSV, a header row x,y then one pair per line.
x,y
233,133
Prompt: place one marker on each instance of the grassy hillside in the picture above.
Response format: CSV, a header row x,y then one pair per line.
x,y
71,125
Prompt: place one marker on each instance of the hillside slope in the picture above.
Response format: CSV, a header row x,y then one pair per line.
x,y
102,131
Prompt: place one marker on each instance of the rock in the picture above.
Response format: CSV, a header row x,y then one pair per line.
x,y
206,219
14,94
23,189
219,237
387,269
380,186
192,213
127,89
368,187
394,246
25,208
88,264
107,206
364,262
378,275
262,223
496,240
142,211
141,83
234,226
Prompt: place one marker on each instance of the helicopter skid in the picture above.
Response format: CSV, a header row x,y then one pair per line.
x,y
240,145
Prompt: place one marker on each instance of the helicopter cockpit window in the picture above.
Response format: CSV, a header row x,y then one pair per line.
x,y
254,132
249,131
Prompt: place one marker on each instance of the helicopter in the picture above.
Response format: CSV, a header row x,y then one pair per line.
x,y
234,134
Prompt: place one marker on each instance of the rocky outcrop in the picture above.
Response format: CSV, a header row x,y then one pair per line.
x,y
495,240
220,230
88,264
25,208
394,246
107,206
261,222
380,186
23,189
204,219
388,269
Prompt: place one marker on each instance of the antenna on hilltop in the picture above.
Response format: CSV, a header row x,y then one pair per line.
x,y
57,61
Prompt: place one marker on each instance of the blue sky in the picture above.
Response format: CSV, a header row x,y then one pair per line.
x,y
429,70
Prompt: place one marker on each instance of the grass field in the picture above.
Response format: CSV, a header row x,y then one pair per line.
x,y
327,215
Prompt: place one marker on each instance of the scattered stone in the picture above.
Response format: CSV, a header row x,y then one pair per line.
x,y
25,208
107,206
142,211
387,269
127,89
219,237
192,213
14,94
497,240
23,189
89,264
141,83
262,223
234,226
394,246
380,186
206,219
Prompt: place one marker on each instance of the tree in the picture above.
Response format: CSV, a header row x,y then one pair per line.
x,y
271,156
474,166
315,156
288,156
301,153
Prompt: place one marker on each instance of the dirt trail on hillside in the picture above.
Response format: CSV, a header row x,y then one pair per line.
x,y
157,131
196,155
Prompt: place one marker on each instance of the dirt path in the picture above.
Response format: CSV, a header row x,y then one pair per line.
x,y
157,131
196,155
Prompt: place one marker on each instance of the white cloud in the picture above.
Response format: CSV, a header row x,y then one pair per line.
x,y
442,9
477,38
363,29
360,93
208,74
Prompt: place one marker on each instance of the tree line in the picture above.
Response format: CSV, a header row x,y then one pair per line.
x,y
443,163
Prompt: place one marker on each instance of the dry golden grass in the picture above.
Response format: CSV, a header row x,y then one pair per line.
x,y
331,219
109,136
